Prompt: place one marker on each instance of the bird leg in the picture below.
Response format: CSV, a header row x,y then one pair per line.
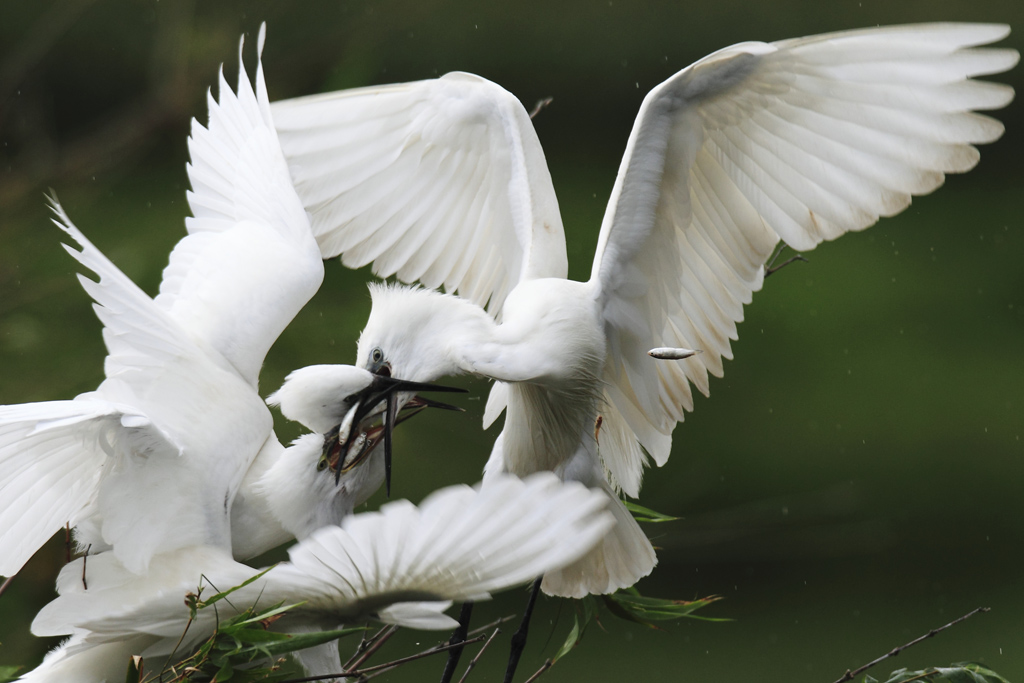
x,y
519,637
458,636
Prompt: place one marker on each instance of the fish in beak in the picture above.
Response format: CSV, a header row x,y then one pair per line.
x,y
373,415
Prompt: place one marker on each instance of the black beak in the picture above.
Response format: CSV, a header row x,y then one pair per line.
x,y
381,389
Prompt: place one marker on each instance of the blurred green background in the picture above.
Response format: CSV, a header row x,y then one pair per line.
x,y
855,478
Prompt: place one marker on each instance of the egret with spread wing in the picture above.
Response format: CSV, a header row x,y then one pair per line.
x,y
152,460
402,565
444,182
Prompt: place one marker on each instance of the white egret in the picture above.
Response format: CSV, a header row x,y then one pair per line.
x,y
291,492
458,544
148,466
444,182
152,460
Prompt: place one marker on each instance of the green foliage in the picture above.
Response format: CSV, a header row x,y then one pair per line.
x,y
8,673
241,649
630,605
963,672
642,514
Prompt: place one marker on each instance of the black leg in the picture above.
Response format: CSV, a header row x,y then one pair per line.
x,y
519,637
458,636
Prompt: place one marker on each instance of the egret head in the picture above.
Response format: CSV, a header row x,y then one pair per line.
x,y
353,409
412,332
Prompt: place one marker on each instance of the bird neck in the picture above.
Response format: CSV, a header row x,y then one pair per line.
x,y
300,498
447,340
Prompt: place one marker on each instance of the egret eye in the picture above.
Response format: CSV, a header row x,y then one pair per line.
x,y
322,464
376,355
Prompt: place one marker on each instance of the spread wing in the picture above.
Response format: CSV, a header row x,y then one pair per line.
x,y
441,181
800,140
50,464
458,544
249,263
192,428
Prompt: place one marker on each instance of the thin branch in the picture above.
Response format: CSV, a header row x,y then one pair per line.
x,y
547,665
472,662
363,644
488,627
356,673
85,558
384,637
6,583
458,636
850,675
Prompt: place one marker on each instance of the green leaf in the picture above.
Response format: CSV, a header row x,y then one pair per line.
x,y
224,673
8,673
134,674
647,515
631,606
962,672
258,635
570,640
298,641
201,604
280,608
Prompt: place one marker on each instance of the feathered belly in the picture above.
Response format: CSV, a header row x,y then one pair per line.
x,y
544,425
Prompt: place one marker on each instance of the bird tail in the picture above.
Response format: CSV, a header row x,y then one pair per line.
x,y
624,557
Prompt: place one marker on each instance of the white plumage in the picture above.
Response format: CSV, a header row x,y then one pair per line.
x,y
151,461
419,557
444,182
171,466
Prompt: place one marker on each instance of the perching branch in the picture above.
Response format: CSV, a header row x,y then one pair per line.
x,y
544,667
357,673
850,675
364,644
472,662
770,267
375,644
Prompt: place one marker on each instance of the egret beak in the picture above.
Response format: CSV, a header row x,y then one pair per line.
x,y
349,443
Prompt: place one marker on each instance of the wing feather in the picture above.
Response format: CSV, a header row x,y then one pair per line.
x,y
249,263
801,140
401,176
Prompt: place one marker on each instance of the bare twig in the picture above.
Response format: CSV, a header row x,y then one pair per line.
x,y
850,675
547,665
541,104
768,271
383,638
85,558
356,673
6,583
770,266
472,662
363,644
488,627
458,637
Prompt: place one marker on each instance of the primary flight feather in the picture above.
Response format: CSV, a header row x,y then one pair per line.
x,y
444,182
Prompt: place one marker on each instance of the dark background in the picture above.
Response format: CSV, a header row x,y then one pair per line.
x,y
853,482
